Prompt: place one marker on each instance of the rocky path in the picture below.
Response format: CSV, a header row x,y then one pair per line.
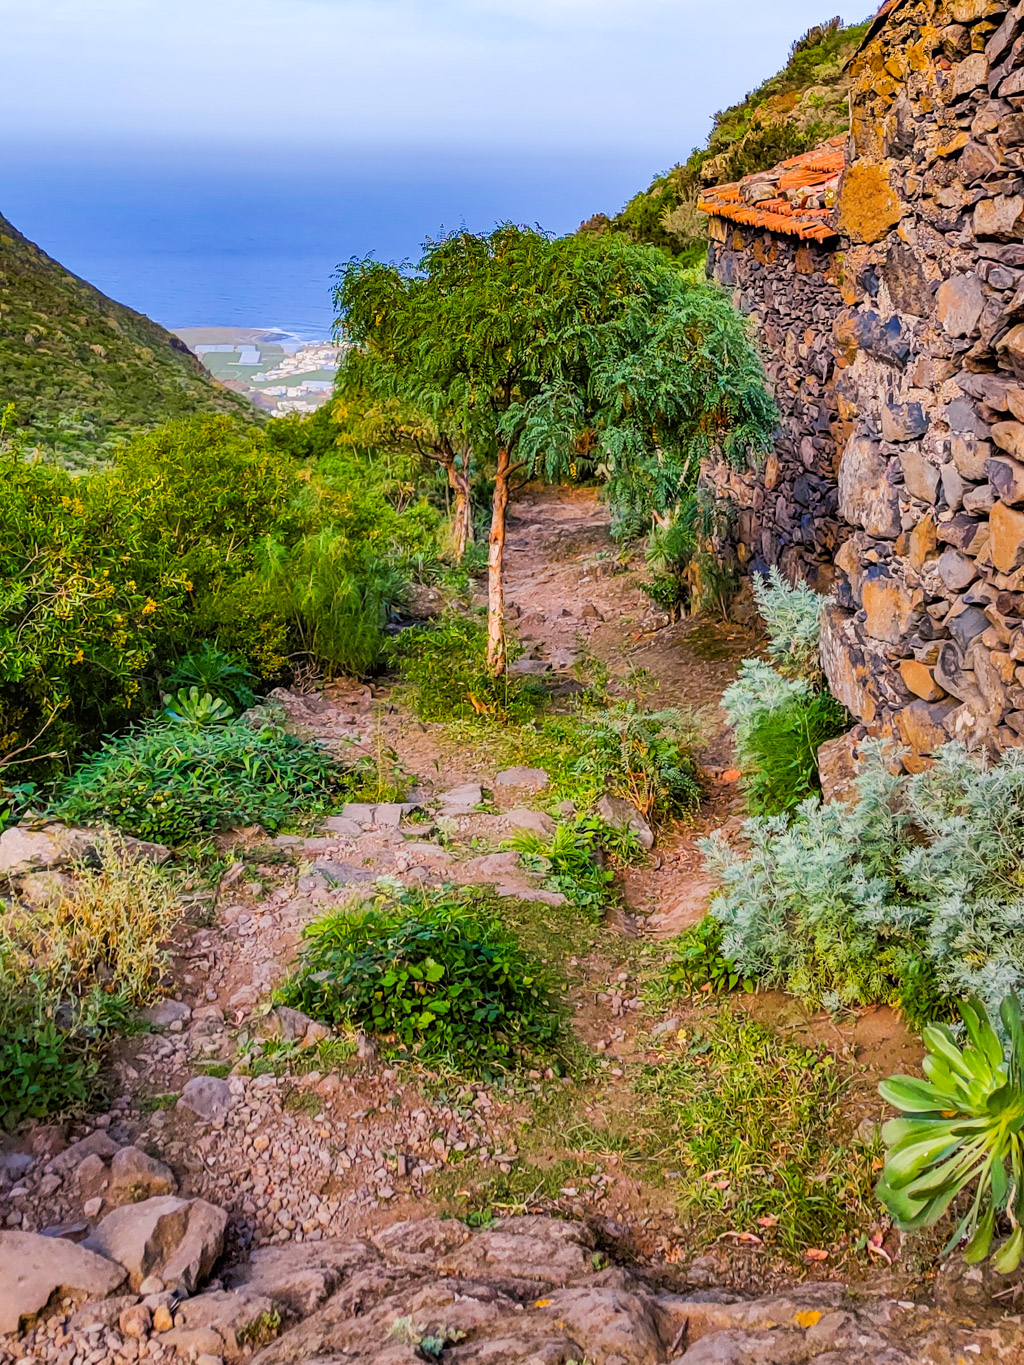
x,y
317,1181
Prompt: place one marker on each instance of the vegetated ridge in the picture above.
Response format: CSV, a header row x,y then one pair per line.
x,y
793,111
81,369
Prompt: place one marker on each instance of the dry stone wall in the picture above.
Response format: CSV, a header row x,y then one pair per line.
x,y
787,513
925,362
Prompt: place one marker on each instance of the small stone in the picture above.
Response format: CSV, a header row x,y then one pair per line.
x,y
920,679
92,1207
621,814
469,794
162,1320
165,1013
531,779
152,1284
135,1321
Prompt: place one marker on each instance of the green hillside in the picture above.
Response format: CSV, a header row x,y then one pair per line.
x,y
83,370
792,112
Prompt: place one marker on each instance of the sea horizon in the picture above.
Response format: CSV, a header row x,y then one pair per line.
x,y
195,238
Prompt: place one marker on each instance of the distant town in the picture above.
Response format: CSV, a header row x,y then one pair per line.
x,y
279,372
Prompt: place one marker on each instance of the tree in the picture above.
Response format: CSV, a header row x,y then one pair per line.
x,y
368,416
534,350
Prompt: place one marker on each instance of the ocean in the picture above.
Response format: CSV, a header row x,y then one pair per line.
x,y
194,237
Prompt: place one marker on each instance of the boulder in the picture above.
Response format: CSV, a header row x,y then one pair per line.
x,y
867,497
920,476
531,779
535,821
180,1240
98,1144
1006,525
233,1317
27,850
33,1268
621,814
536,1249
838,768
960,302
299,1277
1006,475
207,1098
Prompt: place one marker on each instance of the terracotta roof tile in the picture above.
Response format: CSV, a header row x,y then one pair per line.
x,y
795,198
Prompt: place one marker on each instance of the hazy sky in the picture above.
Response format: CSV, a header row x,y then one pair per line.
x,y
555,74
211,161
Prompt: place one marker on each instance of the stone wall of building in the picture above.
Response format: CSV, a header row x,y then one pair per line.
x,y
787,512
926,639
925,296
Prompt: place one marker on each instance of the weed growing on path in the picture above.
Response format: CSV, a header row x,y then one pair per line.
x,y
581,857
72,970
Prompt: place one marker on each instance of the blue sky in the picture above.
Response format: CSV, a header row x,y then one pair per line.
x,y
543,74
212,161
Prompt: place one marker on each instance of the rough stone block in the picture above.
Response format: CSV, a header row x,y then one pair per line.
x,y
890,608
1006,476
920,679
1007,545
920,475
960,302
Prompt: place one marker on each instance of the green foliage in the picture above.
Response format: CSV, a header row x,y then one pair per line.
x,y
84,370
580,857
962,1129
433,974
779,750
912,896
646,758
585,347
47,1068
213,670
753,1127
792,618
782,716
698,963
445,665
169,782
203,553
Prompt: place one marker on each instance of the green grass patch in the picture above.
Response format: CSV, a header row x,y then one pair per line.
x,y
752,1128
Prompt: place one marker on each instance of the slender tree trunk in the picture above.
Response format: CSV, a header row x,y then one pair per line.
x,y
496,652
462,523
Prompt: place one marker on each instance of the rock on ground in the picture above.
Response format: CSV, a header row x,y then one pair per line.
x,y
32,1267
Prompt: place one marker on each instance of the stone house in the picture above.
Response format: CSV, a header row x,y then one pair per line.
x,y
886,279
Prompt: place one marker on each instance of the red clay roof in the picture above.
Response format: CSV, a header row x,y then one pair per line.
x,y
795,198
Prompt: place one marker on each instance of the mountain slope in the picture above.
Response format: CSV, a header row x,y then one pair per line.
x,y
82,369
793,111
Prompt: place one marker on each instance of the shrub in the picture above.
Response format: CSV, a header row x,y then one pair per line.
x,y
779,750
217,671
445,664
913,893
72,969
792,618
699,964
962,1128
436,975
783,715
577,857
170,782
645,758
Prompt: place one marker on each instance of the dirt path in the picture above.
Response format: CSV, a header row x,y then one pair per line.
x,y
298,1154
